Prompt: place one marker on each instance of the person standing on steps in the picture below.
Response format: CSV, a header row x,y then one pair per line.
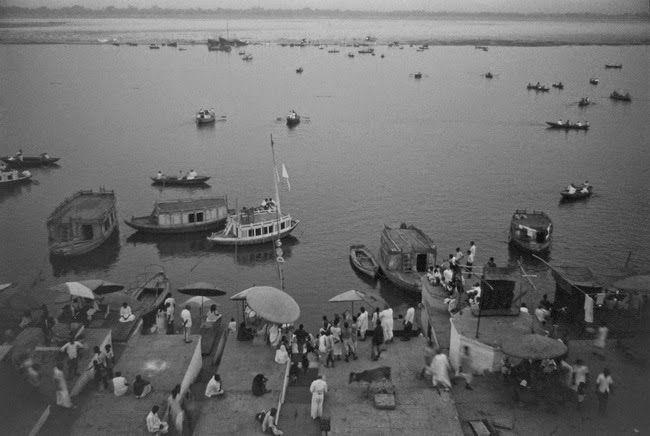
x,y
377,341
186,318
318,390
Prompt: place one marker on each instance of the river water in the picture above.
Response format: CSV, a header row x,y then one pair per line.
x,y
453,153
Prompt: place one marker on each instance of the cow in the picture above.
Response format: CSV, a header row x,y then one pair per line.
x,y
371,376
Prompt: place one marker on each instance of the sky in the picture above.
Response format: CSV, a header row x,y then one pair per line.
x,y
516,6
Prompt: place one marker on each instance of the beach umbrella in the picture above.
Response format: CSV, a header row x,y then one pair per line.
x,y
533,346
240,296
349,296
273,304
73,289
201,289
634,283
199,301
100,287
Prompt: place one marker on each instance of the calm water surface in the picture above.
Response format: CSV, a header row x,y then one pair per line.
x,y
452,153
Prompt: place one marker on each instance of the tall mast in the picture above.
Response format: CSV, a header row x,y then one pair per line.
x,y
277,177
277,245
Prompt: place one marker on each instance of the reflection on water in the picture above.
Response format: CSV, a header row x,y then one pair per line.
x,y
193,244
8,191
99,259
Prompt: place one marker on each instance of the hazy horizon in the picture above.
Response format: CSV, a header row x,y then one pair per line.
x,y
614,7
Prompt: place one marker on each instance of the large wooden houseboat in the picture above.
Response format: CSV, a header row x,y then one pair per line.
x,y
183,216
531,231
405,255
82,222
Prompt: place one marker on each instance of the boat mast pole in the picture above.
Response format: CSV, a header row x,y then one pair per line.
x,y
276,243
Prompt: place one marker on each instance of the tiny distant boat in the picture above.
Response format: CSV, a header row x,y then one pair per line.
x,y
617,66
14,177
489,75
481,47
19,161
367,51
538,88
370,38
405,255
299,70
82,222
132,44
594,81
293,119
558,85
363,261
585,101
417,75
531,231
154,46
183,216
350,55
205,116
181,49
247,57
620,96
382,56
567,125
578,193
334,50
180,181
172,44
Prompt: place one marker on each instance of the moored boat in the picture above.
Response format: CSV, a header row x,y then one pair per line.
x,y
531,231
180,181
363,261
615,95
293,118
20,161
405,255
205,116
82,222
568,125
183,216
578,192
14,177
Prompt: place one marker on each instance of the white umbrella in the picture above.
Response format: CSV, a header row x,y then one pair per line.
x,y
199,301
273,304
349,296
75,289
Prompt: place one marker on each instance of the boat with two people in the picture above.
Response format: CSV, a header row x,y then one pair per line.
x,y
577,192
183,216
620,96
82,222
299,70
568,125
538,87
585,101
20,161
405,255
205,116
363,261
531,231
190,179
488,75
258,224
293,118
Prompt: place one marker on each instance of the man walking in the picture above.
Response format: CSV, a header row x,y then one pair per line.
x,y
362,322
377,341
604,387
409,317
186,318
71,348
318,390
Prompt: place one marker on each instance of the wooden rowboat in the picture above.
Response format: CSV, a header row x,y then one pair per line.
x,y
578,194
363,261
182,181
29,161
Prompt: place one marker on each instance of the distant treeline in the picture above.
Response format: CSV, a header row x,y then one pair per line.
x,y
153,12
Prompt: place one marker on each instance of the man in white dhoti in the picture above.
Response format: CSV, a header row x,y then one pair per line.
x,y
154,424
386,317
62,393
362,322
318,390
440,368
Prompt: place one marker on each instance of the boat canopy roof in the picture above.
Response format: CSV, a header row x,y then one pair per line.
x,y
189,204
84,206
407,239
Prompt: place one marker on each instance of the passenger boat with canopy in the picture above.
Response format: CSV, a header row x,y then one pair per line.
x,y
531,231
257,225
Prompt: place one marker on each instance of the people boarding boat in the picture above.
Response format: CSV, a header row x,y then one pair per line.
x,y
205,116
577,192
293,118
405,255
82,222
620,96
19,160
183,216
363,261
531,231
258,224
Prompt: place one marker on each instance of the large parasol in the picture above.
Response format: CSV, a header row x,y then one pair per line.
x,y
87,288
634,283
273,304
349,296
202,289
533,346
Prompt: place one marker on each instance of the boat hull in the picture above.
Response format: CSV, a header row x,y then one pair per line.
x,y
411,282
363,261
174,181
221,239
553,125
293,121
144,224
77,248
531,247
20,180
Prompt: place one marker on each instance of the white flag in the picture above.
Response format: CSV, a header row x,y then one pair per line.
x,y
285,179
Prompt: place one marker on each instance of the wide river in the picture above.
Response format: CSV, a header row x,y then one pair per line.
x,y
453,153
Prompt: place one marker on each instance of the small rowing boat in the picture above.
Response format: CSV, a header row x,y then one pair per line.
x,y
531,231
620,96
578,192
180,181
594,81
568,125
205,116
617,66
363,261
293,119
20,161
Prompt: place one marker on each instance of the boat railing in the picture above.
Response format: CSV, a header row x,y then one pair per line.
x,y
264,223
283,392
67,200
